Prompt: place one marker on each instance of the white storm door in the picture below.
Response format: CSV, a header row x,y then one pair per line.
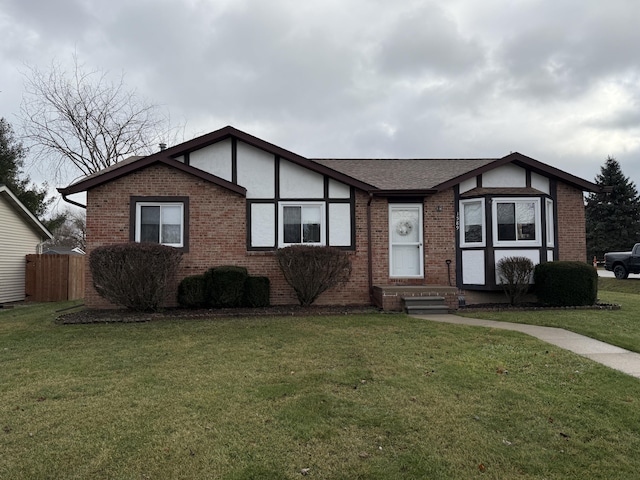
x,y
406,257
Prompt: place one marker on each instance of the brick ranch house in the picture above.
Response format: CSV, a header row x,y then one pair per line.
x,y
413,227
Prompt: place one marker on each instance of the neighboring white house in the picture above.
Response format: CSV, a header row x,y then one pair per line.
x,y
21,234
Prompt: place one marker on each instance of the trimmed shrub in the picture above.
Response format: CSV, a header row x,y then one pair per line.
x,y
225,286
313,270
256,292
566,283
515,274
192,292
134,275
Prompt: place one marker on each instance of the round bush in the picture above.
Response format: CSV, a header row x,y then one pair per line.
x,y
566,283
192,292
225,286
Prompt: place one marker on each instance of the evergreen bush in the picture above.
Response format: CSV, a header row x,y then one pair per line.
x,y
566,283
256,292
225,286
192,292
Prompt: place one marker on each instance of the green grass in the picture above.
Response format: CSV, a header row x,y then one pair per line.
x,y
630,285
348,397
617,327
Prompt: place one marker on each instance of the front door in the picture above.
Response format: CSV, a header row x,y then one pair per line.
x,y
405,240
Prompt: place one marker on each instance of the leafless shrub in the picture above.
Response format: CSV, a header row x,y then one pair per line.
x,y
134,275
313,270
515,276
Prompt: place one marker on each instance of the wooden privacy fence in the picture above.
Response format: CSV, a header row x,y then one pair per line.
x,y
53,278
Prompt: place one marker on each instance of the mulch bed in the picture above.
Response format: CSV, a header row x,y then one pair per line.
x,y
128,316
74,316
505,307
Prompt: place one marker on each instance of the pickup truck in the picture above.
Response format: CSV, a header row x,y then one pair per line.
x,y
623,263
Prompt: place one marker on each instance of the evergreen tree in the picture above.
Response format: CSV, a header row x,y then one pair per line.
x,y
612,218
12,155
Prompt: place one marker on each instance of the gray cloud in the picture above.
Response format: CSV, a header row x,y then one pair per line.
x,y
426,41
554,80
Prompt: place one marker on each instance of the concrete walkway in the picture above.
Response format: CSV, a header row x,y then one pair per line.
x,y
609,355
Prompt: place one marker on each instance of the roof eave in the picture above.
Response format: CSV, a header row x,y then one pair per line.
x,y
170,154
143,163
231,132
421,192
465,176
24,212
527,162
542,168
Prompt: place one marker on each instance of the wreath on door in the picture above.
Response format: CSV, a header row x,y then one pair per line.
x,y
404,227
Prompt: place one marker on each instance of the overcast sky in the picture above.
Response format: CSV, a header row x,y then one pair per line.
x,y
557,80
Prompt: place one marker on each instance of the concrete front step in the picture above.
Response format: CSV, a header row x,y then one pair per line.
x,y
425,305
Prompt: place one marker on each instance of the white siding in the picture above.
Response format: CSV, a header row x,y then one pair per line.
x,y
473,267
263,221
533,255
297,182
468,184
505,176
339,224
214,159
256,171
338,189
540,183
16,241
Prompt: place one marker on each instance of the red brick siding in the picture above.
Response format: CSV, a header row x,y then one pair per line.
x,y
572,240
440,238
439,241
379,238
217,230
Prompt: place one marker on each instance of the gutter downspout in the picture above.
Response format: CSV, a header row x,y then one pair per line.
x,y
369,252
40,246
72,202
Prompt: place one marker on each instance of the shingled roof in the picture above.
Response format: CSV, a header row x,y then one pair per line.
x,y
377,176
404,174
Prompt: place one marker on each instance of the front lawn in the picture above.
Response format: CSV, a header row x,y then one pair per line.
x,y
343,397
617,327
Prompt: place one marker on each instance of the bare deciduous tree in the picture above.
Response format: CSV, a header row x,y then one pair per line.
x,y
71,232
83,120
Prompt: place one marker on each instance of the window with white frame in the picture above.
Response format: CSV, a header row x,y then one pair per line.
x,y
301,223
516,221
472,231
550,223
160,222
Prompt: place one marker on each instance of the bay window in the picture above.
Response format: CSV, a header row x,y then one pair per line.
x,y
516,221
550,223
472,233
